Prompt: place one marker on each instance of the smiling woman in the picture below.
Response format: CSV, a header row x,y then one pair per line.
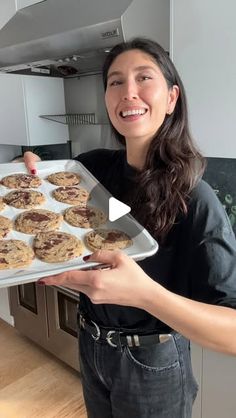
x,y
137,91
136,320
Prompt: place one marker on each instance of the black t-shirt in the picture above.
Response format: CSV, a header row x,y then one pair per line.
x,y
198,259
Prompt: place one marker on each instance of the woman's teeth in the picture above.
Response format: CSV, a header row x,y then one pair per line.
x,y
133,112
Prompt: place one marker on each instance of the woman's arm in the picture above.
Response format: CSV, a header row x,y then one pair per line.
x,y
211,326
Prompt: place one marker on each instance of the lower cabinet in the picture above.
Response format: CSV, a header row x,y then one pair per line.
x,y
218,385
48,316
216,376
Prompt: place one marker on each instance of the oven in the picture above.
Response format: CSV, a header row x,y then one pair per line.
x,y
48,316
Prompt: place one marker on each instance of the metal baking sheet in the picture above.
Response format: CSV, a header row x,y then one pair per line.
x,y
143,243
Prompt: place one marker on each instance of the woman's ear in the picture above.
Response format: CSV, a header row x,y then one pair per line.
x,y
173,97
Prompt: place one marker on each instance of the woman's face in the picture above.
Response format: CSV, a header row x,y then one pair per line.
x,y
137,96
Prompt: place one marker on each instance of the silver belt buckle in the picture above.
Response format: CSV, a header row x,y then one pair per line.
x,y
165,337
109,338
97,336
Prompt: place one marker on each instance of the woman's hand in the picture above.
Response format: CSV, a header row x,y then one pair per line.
x,y
124,283
30,160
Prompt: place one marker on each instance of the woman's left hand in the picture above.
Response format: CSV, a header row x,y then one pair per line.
x,y
124,283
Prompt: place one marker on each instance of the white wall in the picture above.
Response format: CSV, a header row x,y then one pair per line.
x,y
204,45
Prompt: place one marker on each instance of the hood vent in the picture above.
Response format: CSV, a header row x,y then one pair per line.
x,y
69,38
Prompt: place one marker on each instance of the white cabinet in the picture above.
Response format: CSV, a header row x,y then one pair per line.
x,y
23,99
218,385
20,4
203,38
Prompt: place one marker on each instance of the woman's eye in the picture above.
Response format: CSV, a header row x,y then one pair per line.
x,y
145,77
115,83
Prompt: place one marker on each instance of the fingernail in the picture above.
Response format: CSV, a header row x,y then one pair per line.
x,y
41,282
33,171
86,257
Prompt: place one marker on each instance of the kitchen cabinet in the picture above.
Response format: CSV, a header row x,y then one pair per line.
x,y
218,385
23,99
21,4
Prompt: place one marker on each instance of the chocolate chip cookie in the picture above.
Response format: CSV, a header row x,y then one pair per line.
x,y
6,226
64,178
15,253
37,220
107,239
24,199
56,247
21,181
2,204
85,216
71,195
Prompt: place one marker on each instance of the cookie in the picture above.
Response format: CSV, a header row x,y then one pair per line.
x,y
85,216
24,199
37,220
64,178
107,239
71,195
21,181
6,226
15,253
2,204
56,247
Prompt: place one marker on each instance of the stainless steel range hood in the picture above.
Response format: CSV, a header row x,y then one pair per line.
x,y
71,37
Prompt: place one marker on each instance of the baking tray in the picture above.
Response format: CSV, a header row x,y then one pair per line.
x,y
143,243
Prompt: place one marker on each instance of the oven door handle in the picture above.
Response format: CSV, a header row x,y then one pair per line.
x,y
68,292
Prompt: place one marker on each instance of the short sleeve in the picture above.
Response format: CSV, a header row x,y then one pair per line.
x,y
213,260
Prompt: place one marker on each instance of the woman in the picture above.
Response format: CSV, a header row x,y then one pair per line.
x,y
137,318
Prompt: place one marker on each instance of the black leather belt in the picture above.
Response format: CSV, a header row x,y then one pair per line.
x,y
118,338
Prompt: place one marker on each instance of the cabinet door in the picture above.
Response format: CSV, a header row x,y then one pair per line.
x,y
218,385
12,111
23,99
44,96
196,355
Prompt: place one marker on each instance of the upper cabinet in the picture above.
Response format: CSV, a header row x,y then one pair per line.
x,y
23,99
20,4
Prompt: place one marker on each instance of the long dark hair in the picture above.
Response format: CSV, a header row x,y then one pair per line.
x,y
173,164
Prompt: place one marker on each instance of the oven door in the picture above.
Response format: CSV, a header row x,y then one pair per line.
x,y
48,316
28,307
62,306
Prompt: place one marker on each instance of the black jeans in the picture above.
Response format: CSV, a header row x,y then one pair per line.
x,y
141,382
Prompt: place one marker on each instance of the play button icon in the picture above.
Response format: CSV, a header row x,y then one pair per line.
x,y
117,209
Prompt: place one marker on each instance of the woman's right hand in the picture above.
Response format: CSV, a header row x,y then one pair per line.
x,y
30,160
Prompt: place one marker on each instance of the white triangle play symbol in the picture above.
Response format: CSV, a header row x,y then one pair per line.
x,y
117,209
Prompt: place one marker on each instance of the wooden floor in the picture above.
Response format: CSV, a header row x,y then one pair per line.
x,y
33,383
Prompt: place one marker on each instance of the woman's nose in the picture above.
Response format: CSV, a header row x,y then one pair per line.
x,y
130,91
